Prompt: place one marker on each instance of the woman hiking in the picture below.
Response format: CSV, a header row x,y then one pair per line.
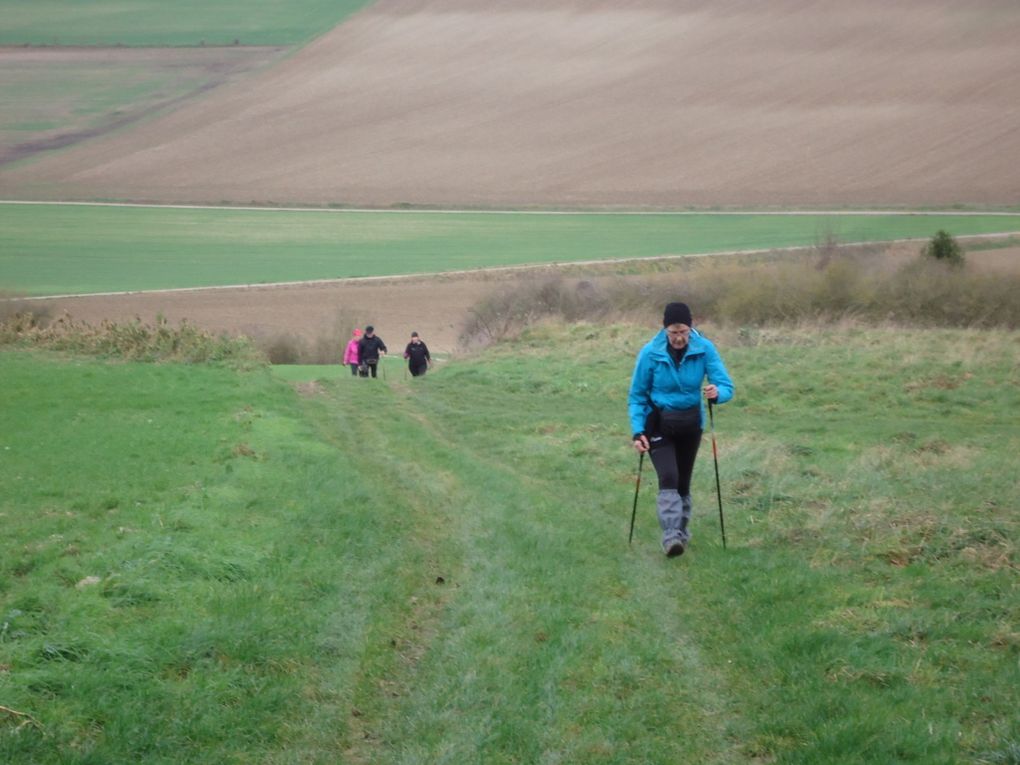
x,y
666,415
417,355
351,357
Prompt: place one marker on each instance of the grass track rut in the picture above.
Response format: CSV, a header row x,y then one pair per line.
x,y
544,619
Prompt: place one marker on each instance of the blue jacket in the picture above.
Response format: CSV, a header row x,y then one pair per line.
x,y
658,380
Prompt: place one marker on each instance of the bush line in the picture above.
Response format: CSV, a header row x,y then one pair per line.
x,y
132,341
830,284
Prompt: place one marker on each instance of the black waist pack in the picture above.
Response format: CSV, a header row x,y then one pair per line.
x,y
680,422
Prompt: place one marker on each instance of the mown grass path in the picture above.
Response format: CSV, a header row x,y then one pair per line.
x,y
537,628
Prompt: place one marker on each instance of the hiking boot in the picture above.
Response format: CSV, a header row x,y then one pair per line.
x,y
674,548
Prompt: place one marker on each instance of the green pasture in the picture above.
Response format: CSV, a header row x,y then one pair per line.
x,y
202,565
310,372
178,23
57,249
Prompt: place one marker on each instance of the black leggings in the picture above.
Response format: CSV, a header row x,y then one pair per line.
x,y
673,458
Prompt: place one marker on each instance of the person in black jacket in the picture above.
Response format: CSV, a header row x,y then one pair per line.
x,y
369,348
417,355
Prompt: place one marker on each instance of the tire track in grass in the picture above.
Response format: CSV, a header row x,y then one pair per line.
x,y
423,562
549,641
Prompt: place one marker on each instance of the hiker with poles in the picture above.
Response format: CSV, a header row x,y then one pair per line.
x,y
351,357
417,354
666,415
369,349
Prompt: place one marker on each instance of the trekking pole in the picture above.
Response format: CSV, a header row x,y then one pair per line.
x,y
637,488
718,490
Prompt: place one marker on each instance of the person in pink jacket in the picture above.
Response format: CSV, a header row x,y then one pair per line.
x,y
351,353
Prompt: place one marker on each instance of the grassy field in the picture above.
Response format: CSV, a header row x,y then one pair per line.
x,y
200,565
47,249
86,91
184,22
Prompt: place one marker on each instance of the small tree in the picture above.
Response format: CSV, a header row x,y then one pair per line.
x,y
944,247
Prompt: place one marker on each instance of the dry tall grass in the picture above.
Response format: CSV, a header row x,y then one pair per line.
x,y
829,284
326,347
136,341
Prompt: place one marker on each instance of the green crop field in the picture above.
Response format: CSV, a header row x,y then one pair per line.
x,y
182,22
200,565
63,100
58,249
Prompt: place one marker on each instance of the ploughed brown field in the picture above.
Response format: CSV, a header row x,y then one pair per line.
x,y
434,306
650,103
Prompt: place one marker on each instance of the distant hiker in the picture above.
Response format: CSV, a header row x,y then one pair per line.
x,y
369,348
351,357
666,415
417,355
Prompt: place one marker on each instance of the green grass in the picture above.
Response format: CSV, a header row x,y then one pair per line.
x,y
182,22
437,570
310,372
238,581
55,249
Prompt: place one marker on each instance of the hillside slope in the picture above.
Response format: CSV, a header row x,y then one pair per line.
x,y
567,102
198,566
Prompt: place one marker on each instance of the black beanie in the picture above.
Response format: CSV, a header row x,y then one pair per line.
x,y
676,313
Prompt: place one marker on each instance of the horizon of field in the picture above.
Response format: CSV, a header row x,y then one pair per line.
x,y
662,103
77,249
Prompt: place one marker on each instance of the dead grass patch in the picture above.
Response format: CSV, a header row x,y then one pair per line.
x,y
309,389
136,341
761,300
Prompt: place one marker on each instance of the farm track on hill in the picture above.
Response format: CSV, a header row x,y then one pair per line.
x,y
480,522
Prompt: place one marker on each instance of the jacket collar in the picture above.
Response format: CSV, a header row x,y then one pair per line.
x,y
695,346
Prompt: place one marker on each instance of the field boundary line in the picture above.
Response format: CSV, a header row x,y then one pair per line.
x,y
456,211
493,269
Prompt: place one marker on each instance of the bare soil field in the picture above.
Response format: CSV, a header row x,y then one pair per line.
x,y
434,306
56,97
652,103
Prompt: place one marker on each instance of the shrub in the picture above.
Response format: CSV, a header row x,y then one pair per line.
x,y
506,312
821,286
12,305
944,247
283,349
325,347
135,341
